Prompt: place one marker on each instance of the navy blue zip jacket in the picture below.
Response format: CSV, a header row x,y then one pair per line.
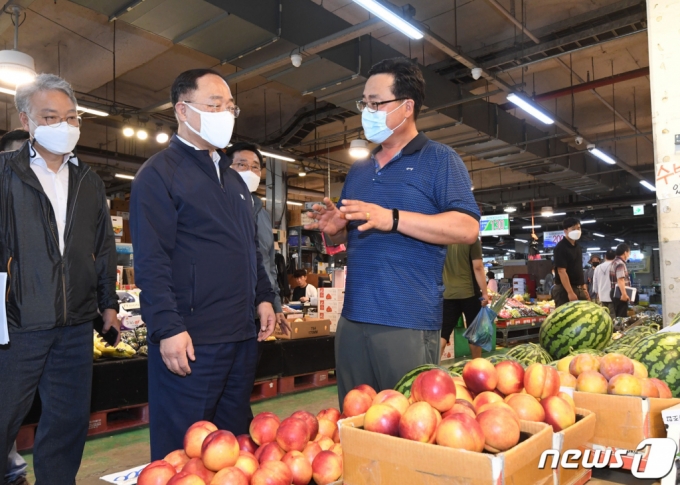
x,y
195,248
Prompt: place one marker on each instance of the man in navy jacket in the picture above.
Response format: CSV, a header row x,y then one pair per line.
x,y
201,275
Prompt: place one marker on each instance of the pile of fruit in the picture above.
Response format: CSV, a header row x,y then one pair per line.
x,y
288,452
517,308
610,374
102,349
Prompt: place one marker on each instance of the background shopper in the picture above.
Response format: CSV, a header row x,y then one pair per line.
x,y
569,282
619,279
601,282
492,283
303,292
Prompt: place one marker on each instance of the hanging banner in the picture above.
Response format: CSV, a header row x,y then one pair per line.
x,y
551,238
494,225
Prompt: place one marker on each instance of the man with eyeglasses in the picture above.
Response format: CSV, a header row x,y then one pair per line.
x,y
399,210
198,266
59,253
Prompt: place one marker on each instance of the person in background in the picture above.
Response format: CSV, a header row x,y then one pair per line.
x,y
549,281
399,209
200,270
601,283
465,289
569,282
60,253
588,275
16,465
303,292
492,283
619,279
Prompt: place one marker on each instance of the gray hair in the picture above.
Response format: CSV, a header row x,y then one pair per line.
x,y
43,82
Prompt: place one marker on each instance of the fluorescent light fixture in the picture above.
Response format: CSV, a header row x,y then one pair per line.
x,y
124,176
521,240
531,227
554,214
11,92
387,15
278,157
598,234
302,174
593,249
495,236
654,204
487,247
530,108
547,211
358,149
590,221
619,240
541,252
596,152
509,209
92,111
290,202
635,244
614,247
655,249
510,250
647,185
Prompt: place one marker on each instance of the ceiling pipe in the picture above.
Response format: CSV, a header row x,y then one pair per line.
x,y
607,81
512,19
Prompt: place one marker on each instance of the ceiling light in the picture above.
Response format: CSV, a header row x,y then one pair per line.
x,y
531,227
162,137
510,209
92,111
521,240
593,249
510,250
654,204
128,131
635,244
16,68
547,211
596,152
647,185
124,176
619,240
290,202
556,214
487,247
358,149
530,108
302,174
598,234
472,188
614,247
11,92
590,221
655,249
387,15
142,134
278,157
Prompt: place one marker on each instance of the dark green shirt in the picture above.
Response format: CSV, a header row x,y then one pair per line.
x,y
458,275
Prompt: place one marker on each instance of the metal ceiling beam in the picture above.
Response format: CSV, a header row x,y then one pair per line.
x,y
606,81
512,19
199,28
127,8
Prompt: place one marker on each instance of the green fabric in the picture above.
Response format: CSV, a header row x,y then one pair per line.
x,y
458,271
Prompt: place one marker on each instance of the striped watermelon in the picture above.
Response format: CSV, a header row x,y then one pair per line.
x,y
596,353
498,358
660,353
575,326
405,383
527,354
458,366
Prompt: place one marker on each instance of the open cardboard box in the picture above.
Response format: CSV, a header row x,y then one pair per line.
x,y
307,328
624,421
575,437
377,459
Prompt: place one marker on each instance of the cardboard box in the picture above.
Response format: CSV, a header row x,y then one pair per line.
x,y
331,294
120,205
128,276
624,421
378,459
117,223
575,437
309,327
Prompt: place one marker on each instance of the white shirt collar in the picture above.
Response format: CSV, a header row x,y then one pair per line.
x,y
215,155
37,159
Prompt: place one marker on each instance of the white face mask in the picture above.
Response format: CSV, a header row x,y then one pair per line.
x,y
375,124
60,139
574,235
251,179
216,128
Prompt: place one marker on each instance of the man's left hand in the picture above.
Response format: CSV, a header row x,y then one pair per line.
x,y
485,299
110,318
283,323
376,217
267,320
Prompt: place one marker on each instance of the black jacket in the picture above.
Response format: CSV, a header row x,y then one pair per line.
x,y
195,246
45,289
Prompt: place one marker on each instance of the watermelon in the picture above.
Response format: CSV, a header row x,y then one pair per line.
x,y
405,383
528,354
495,359
596,353
660,354
458,366
575,326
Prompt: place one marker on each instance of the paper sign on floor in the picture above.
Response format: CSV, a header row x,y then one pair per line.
x,y
128,477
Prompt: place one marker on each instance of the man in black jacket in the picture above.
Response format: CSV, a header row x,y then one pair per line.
x,y
58,248
201,275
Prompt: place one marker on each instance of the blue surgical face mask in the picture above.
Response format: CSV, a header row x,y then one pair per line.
x,y
375,125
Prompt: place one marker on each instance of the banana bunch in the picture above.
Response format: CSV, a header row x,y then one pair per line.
x,y
120,351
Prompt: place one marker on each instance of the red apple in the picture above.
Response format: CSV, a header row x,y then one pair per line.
x,y
310,420
327,468
220,450
158,472
246,443
272,473
193,439
299,466
293,434
263,428
384,419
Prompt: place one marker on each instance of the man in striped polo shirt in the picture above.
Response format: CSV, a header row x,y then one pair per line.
x,y
398,211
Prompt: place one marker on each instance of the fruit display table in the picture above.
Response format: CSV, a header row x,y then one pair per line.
x,y
507,334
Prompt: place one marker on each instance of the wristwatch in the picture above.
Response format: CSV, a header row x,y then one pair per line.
x,y
395,219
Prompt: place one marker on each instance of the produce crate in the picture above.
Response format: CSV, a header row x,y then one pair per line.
x,y
118,419
304,382
264,390
306,356
500,323
575,437
512,334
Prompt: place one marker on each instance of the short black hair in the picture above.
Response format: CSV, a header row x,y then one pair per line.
x,y
610,255
299,273
408,80
570,222
490,275
622,249
187,82
11,136
244,146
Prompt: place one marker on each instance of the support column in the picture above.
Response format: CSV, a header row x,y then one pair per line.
x,y
276,197
663,21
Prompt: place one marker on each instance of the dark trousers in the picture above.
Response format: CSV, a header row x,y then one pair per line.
x,y
58,364
618,308
217,390
453,309
379,355
559,294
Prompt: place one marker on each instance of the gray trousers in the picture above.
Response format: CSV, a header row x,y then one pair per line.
x,y
379,355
